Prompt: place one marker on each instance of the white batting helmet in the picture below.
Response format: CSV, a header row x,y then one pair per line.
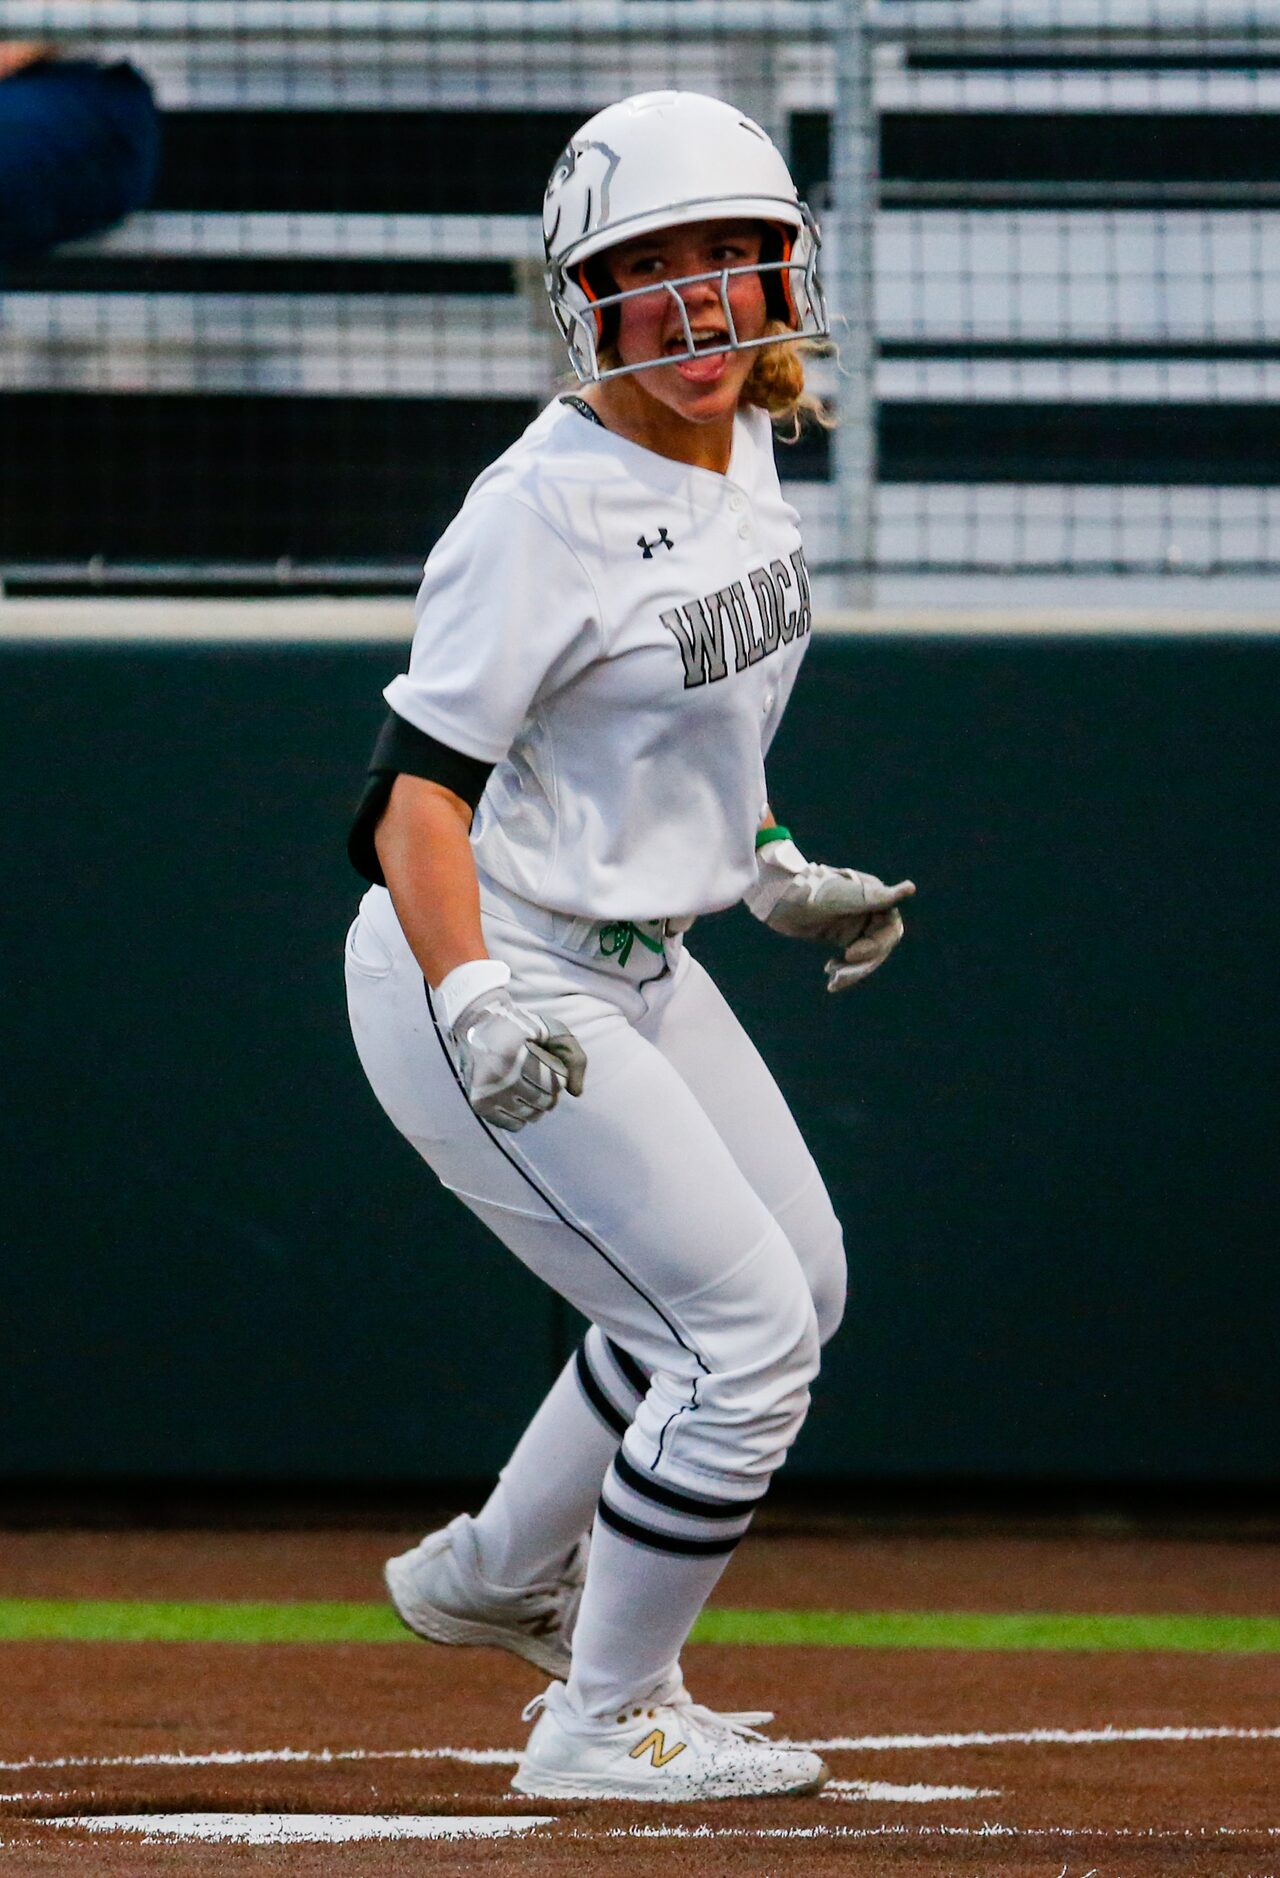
x,y
661,160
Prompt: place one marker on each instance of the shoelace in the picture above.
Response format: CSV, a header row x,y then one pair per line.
x,y
744,1723
692,1717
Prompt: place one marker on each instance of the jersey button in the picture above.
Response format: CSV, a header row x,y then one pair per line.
x,y
737,503
744,529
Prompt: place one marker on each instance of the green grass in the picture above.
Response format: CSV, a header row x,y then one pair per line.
x,y
94,1620
989,1630
109,1620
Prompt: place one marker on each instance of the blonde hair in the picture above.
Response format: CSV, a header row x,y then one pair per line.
x,y
775,384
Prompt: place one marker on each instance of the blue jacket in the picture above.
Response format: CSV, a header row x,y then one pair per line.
x,y
79,150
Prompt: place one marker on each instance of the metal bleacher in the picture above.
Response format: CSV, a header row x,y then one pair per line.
x,y
1030,297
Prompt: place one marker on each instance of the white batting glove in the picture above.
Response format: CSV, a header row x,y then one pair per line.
x,y
513,1064
806,900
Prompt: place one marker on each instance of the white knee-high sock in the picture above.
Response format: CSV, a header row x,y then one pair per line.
x,y
656,1555
546,1494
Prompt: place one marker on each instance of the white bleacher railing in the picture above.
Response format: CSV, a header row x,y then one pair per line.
x,y
1048,277
1031,273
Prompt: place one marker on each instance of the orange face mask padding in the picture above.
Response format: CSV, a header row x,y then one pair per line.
x,y
585,285
785,278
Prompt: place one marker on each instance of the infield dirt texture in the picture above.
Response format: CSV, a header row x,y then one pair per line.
x,y
1112,1748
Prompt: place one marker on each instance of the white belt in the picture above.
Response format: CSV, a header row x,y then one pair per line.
x,y
607,938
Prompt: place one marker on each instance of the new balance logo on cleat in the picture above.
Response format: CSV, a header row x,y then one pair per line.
x,y
664,541
655,1743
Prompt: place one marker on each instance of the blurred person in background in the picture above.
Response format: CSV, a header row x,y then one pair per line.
x,y
79,147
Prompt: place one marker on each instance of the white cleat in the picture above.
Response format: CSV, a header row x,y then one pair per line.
x,y
437,1590
675,1750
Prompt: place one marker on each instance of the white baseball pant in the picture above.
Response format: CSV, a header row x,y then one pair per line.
x,y
674,1204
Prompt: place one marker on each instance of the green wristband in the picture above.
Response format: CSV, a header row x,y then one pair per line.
x,y
777,833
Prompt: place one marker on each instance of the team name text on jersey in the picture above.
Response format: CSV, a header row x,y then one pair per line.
x,y
782,611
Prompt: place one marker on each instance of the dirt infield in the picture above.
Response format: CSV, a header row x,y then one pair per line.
x,y
948,1762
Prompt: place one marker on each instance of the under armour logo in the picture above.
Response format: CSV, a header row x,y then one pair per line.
x,y
664,541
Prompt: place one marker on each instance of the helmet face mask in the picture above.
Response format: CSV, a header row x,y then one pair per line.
x,y
664,160
588,324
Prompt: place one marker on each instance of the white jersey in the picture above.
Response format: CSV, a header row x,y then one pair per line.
x,y
618,634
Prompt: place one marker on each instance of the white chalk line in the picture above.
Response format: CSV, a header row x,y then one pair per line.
x,y
277,1828
1033,1737
915,1794
1133,1834
508,1757
265,1757
302,1828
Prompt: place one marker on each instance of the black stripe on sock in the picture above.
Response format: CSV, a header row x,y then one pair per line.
x,y
677,1502
629,1367
662,1541
609,1415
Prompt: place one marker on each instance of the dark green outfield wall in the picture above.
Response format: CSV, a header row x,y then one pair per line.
x,y
1049,1125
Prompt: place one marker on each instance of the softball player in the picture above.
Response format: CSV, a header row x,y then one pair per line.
x,y
571,771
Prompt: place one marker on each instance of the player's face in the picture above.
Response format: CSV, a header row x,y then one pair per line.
x,y
650,326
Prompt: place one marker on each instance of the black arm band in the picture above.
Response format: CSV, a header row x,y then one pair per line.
x,y
404,750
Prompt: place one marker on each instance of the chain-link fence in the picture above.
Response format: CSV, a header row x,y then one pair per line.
x,y
1051,238
1078,286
